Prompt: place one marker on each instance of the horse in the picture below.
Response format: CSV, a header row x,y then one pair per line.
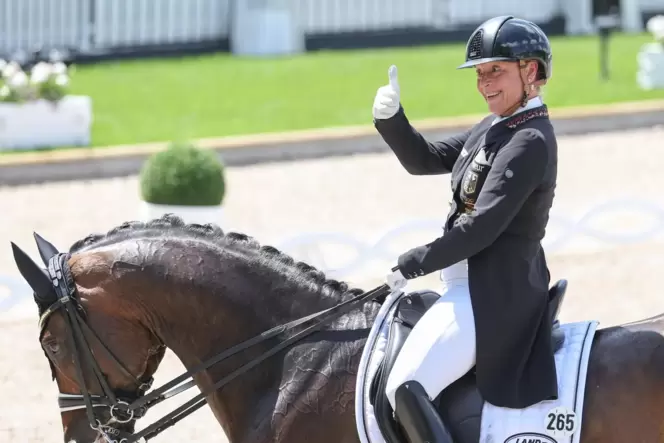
x,y
233,311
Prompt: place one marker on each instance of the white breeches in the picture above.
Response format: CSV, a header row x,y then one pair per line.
x,y
441,347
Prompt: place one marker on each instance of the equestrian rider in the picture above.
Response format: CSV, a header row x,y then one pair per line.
x,y
492,314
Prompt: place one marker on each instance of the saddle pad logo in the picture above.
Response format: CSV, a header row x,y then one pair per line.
x,y
530,437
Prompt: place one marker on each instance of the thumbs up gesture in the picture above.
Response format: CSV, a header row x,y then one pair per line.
x,y
386,103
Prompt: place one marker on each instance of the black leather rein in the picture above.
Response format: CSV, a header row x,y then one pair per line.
x,y
127,407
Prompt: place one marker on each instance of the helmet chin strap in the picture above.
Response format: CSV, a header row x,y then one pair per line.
x,y
523,101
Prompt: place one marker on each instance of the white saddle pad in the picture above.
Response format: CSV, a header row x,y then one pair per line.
x,y
556,421
373,353
553,421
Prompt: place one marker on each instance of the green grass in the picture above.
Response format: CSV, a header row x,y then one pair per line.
x,y
155,100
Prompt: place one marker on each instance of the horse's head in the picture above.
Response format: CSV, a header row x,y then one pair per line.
x,y
101,352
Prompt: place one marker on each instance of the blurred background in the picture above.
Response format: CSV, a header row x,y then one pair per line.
x,y
262,109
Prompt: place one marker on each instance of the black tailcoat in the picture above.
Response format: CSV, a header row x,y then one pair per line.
x,y
503,179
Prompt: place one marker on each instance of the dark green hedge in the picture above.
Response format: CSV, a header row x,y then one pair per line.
x,y
183,175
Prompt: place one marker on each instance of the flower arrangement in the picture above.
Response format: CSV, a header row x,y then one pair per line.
x,y
49,81
656,27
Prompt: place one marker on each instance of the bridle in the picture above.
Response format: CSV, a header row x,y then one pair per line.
x,y
65,291
127,407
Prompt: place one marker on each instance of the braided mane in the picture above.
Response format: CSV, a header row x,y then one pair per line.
x,y
172,225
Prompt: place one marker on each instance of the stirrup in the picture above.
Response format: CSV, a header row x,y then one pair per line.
x,y
418,416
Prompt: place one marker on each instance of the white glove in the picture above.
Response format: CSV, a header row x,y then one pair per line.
x,y
386,103
396,280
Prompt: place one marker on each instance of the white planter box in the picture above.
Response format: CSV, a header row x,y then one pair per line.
x,y
651,66
40,123
190,214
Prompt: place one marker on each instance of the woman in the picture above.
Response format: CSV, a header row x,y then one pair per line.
x,y
493,310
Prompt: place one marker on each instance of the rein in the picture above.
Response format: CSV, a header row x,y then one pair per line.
x,y
125,407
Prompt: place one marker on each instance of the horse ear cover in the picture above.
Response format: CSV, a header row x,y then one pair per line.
x,y
37,278
46,248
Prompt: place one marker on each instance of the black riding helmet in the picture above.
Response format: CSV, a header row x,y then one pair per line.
x,y
507,38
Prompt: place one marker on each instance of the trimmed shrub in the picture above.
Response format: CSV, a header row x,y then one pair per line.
x,y
183,175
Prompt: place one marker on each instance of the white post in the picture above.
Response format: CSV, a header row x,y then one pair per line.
x,y
265,27
579,17
630,11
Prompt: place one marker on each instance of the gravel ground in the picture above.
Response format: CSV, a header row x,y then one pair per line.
x,y
364,197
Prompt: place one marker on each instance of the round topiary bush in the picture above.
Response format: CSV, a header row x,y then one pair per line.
x,y
183,175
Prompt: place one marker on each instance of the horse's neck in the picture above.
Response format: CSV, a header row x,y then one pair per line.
x,y
196,328
317,381
263,400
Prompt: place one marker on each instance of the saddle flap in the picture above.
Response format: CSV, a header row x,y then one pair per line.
x,y
408,312
413,306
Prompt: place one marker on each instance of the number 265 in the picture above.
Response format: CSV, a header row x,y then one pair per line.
x,y
560,422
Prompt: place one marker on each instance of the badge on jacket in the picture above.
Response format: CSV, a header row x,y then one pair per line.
x,y
470,183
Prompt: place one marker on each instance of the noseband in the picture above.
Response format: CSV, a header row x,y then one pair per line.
x,y
126,407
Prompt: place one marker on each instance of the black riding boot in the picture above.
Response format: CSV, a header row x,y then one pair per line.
x,y
418,416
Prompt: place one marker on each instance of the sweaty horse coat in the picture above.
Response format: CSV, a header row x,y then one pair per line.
x,y
503,178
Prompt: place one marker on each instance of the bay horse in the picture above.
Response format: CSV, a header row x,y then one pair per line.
x,y
234,312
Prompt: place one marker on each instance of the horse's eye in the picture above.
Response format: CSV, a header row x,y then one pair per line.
x,y
53,346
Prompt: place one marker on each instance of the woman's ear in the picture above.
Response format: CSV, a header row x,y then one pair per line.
x,y
533,68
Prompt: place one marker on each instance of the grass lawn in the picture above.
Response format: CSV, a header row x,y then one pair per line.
x,y
155,100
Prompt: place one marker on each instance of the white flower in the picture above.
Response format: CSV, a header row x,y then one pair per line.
x,y
10,69
656,27
3,63
59,68
62,80
18,80
40,72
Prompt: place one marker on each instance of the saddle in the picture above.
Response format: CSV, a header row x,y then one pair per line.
x,y
460,405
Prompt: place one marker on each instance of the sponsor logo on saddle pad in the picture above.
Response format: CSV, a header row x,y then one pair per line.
x,y
530,437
